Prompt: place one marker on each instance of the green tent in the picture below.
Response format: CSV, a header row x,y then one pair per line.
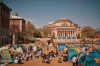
x,y
6,54
19,50
14,46
87,60
71,53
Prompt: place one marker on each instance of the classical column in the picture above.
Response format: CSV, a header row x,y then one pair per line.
x,y
64,33
56,33
68,33
74,33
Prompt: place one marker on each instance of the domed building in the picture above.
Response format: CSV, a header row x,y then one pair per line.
x,y
64,28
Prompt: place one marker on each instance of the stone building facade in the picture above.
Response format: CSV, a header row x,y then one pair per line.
x,y
64,29
4,24
17,26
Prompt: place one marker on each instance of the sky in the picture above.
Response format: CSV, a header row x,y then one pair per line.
x,y
40,12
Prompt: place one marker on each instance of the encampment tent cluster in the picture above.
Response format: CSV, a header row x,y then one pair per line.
x,y
86,55
8,53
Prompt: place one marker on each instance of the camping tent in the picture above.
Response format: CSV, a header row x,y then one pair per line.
x,y
95,54
19,50
61,46
71,53
87,60
6,54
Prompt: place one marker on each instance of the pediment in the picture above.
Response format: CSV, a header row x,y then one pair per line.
x,y
64,25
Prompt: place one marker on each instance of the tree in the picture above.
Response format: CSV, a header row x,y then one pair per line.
x,y
30,30
37,34
13,31
87,32
47,32
97,31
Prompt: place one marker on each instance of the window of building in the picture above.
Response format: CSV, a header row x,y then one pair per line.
x,y
2,41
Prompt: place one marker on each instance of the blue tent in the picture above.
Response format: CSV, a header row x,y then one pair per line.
x,y
71,53
87,60
61,46
95,54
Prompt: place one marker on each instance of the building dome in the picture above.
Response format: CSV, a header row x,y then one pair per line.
x,y
61,19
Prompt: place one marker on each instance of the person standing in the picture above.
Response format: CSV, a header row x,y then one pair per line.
x,y
44,58
27,56
74,59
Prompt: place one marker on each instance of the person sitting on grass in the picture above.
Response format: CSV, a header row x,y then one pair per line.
x,y
52,54
44,58
59,60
